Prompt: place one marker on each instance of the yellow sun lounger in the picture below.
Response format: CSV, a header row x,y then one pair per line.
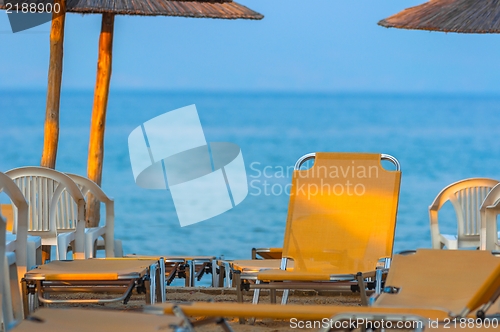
x,y
448,279
108,275
434,284
276,311
341,223
45,320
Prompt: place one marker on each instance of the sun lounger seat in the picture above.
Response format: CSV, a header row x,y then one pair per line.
x,y
431,284
276,311
445,279
116,275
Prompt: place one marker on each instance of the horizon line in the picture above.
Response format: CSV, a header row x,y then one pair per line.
x,y
262,92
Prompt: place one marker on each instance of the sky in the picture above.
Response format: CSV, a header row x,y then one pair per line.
x,y
306,46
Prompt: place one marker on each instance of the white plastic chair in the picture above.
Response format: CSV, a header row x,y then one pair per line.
x,y
26,252
490,209
11,305
466,196
34,242
94,235
42,187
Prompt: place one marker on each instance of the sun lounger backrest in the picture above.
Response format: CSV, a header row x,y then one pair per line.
x,y
342,214
434,278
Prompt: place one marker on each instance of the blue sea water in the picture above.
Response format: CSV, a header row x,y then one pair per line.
x,y
438,139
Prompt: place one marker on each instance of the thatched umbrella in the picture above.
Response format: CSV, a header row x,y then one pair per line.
x,y
222,9
462,16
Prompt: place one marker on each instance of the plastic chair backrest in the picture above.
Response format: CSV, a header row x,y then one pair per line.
x,y
67,206
491,199
43,187
466,196
489,211
342,214
67,212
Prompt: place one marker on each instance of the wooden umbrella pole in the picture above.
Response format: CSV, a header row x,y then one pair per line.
x,y
51,128
98,122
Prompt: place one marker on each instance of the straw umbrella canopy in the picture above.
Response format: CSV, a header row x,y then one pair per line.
x,y
224,9
221,9
462,16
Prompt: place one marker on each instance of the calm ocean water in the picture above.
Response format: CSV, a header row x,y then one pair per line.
x,y
438,139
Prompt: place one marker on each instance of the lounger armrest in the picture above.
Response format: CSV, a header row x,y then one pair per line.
x,y
267,253
282,275
369,274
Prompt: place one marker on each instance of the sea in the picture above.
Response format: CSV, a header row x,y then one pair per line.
x,y
437,138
